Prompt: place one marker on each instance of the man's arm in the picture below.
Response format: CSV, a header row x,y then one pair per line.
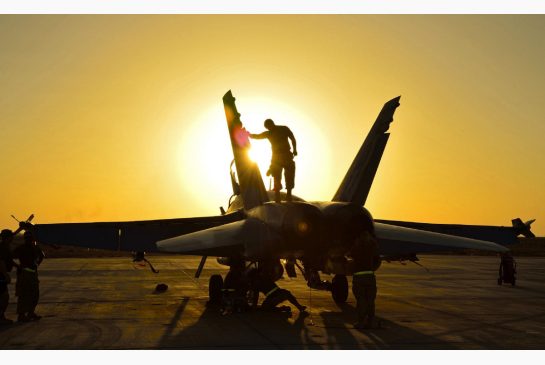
x,y
260,135
293,141
40,255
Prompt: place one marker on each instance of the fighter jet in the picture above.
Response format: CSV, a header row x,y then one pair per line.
x,y
314,236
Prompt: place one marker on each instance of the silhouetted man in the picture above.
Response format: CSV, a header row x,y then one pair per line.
x,y
364,284
28,286
6,265
282,157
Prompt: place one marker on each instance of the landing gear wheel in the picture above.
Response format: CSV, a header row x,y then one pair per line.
x,y
253,297
215,285
339,289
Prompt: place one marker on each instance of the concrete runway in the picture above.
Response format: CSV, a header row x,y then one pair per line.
x,y
104,303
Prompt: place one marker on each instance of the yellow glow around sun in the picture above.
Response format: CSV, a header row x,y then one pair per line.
x,y
260,153
205,152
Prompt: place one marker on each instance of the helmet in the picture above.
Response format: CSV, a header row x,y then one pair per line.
x,y
6,233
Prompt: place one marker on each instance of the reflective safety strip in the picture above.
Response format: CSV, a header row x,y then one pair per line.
x,y
28,269
271,291
364,273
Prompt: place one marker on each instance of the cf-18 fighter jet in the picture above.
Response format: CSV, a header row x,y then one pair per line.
x,y
314,236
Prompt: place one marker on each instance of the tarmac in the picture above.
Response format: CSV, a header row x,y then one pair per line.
x,y
107,303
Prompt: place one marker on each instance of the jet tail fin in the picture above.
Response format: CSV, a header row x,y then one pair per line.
x,y
523,228
251,184
359,178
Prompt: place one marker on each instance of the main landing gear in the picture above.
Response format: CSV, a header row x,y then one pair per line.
x,y
215,287
235,284
339,289
338,286
234,292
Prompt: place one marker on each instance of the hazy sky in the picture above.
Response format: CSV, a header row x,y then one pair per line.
x,y
120,117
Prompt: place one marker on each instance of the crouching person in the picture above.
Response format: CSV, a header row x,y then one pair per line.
x,y
274,295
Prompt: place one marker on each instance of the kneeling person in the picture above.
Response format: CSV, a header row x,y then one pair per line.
x,y
274,295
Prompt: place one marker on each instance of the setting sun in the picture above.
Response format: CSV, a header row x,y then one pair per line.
x,y
205,151
132,126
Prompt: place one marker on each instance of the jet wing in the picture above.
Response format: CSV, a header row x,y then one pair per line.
x,y
396,240
249,237
124,236
497,234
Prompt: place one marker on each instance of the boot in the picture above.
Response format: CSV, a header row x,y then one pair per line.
x,y
277,198
34,317
5,321
22,318
288,195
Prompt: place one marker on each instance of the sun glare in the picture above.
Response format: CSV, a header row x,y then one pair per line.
x,y
205,151
261,154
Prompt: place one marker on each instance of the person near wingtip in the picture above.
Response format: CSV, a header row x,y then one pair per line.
x,y
6,265
282,156
364,285
28,286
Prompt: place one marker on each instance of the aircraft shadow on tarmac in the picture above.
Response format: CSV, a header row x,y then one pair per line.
x,y
278,330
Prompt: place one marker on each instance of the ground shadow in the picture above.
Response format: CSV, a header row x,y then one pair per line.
x,y
247,330
391,335
265,330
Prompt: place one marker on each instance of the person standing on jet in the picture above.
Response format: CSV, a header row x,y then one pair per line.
x,y
28,286
364,284
6,264
282,157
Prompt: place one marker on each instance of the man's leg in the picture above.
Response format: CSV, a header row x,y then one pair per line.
x,y
24,298
271,302
289,176
358,291
287,295
22,304
34,298
276,172
4,300
370,296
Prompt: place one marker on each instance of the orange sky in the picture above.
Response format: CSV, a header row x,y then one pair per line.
x,y
120,117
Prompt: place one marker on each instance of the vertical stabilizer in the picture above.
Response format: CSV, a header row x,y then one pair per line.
x,y
359,178
249,178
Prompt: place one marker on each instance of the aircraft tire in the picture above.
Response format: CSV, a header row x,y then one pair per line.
x,y
215,285
253,298
339,288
